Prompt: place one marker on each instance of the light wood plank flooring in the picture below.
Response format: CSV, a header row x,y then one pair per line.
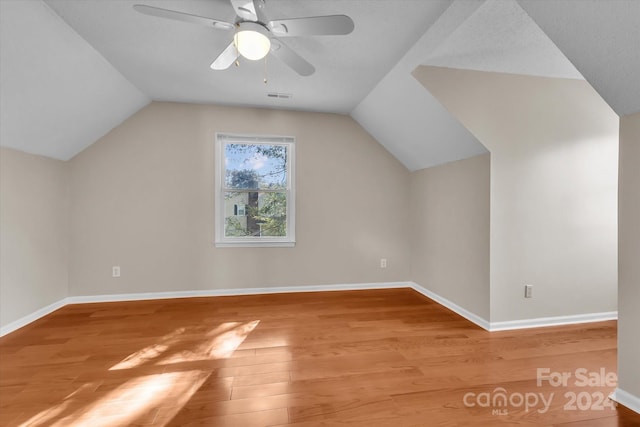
x,y
353,358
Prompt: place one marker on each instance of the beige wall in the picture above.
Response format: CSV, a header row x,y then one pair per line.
x,y
34,227
143,200
629,256
553,145
450,232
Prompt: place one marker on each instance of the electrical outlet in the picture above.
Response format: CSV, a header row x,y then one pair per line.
x,y
528,291
115,271
383,263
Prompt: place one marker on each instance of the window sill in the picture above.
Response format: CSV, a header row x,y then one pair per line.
x,y
254,244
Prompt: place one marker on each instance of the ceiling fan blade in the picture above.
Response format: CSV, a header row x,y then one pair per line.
x,y
312,26
258,6
291,58
226,58
245,9
184,17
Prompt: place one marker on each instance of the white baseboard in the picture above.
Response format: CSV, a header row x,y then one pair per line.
x,y
626,399
553,321
515,324
231,292
24,321
17,324
480,321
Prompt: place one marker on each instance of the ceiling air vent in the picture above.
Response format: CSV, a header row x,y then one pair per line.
x,y
279,95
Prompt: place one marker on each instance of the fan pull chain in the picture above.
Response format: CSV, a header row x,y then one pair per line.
x,y
235,43
266,74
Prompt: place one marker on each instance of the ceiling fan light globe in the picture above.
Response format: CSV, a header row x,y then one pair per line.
x,y
252,44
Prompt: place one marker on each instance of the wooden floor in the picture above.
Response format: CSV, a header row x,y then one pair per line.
x,y
355,358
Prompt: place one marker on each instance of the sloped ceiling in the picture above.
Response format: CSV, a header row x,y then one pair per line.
x,y
495,35
602,39
501,37
71,70
405,118
58,95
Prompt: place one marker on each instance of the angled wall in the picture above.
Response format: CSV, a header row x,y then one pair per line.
x,y
629,255
450,232
554,158
34,233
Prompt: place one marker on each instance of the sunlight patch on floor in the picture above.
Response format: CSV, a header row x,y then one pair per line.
x,y
221,346
140,396
149,353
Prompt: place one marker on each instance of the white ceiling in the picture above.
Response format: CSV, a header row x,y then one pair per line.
x,y
71,70
602,39
169,60
407,119
501,37
495,35
57,94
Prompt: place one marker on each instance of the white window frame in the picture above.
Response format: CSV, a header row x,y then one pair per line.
x,y
220,239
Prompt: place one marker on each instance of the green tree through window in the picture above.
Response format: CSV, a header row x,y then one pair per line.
x,y
257,174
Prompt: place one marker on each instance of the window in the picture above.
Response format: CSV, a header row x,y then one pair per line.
x,y
239,210
255,203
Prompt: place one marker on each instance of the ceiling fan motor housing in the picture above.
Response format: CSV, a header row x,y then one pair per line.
x,y
252,40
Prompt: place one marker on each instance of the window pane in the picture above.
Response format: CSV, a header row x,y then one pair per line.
x,y
255,166
262,214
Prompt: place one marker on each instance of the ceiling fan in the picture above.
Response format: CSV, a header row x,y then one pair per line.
x,y
255,35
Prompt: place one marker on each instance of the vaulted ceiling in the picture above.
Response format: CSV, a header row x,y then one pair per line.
x,y
72,70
